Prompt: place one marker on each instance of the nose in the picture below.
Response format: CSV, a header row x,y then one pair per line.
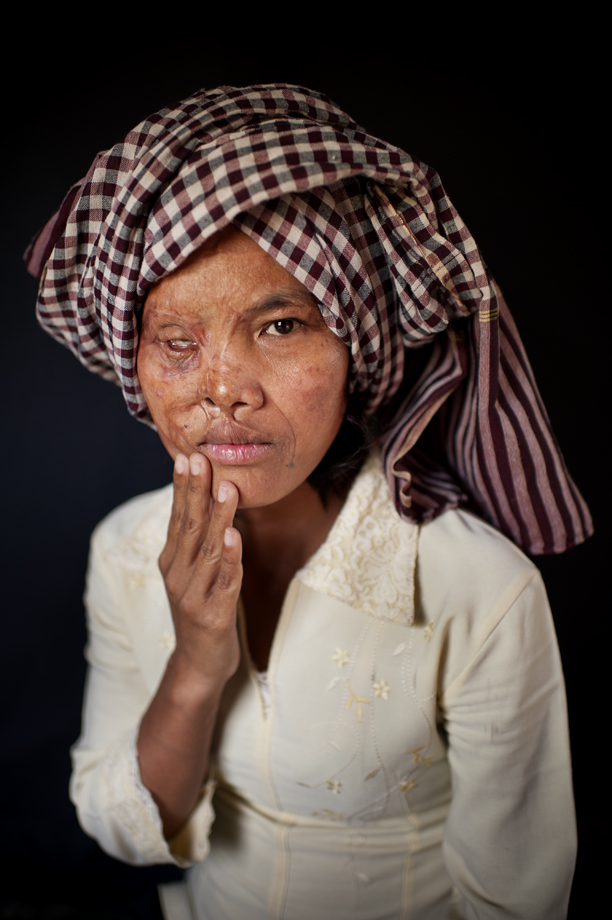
x,y
230,384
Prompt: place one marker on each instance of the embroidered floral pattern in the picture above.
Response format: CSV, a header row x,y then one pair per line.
x,y
406,785
334,786
382,689
428,631
369,557
342,657
167,640
132,806
418,758
358,700
328,814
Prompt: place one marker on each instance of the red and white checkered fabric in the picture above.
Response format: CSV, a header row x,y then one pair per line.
x,y
370,232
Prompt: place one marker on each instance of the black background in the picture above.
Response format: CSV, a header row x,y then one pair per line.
x,y
516,139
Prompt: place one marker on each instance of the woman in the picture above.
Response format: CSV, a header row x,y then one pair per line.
x,y
384,734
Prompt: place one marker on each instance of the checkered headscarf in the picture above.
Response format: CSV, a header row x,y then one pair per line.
x,y
370,232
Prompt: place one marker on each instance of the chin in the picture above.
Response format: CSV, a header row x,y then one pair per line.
x,y
257,491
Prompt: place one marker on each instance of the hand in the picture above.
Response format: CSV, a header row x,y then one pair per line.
x,y
202,571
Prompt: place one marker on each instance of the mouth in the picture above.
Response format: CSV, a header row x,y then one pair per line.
x,y
235,453
232,445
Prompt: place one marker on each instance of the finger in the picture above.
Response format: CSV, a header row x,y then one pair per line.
x,y
179,482
213,620
196,516
216,584
229,581
212,550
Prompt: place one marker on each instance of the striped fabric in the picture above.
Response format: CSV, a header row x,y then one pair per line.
x,y
370,232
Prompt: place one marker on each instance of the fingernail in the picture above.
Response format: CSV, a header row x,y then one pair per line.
x,y
180,464
222,494
229,537
195,464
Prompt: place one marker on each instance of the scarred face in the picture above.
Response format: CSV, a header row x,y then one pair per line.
x,y
236,363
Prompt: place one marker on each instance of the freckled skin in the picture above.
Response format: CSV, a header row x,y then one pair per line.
x,y
243,377
234,349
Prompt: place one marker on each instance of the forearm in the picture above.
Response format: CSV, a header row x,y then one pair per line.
x,y
202,573
174,742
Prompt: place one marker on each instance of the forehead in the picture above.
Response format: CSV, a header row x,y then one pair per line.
x,y
231,268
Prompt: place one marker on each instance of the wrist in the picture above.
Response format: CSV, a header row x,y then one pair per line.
x,y
187,685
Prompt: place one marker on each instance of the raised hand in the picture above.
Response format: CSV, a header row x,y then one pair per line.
x,y
201,566
202,572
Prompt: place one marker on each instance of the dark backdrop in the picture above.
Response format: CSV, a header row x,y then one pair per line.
x,y
518,155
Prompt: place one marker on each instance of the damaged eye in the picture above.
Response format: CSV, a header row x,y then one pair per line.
x,y
179,344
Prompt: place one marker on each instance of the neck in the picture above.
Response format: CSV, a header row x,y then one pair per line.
x,y
290,529
278,540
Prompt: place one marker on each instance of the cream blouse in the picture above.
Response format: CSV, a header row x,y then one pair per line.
x,y
412,759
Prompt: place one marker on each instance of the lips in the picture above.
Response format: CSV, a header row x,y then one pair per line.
x,y
235,453
232,434
229,443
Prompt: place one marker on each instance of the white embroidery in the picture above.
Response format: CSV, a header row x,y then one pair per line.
x,y
382,689
167,640
342,657
406,785
369,557
132,804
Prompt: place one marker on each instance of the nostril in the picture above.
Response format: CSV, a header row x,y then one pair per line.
x,y
226,391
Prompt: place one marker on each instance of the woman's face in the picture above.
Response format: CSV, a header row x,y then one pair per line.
x,y
236,363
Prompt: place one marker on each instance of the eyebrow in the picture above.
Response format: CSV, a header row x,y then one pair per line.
x,y
282,298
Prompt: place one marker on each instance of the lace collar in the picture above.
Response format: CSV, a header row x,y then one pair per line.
x,y
369,557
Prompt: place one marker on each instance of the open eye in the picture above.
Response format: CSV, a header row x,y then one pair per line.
x,y
282,327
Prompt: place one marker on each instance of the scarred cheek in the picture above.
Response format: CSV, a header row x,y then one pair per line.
x,y
157,374
170,399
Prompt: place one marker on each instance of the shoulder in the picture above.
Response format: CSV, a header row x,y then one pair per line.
x,y
135,532
458,550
